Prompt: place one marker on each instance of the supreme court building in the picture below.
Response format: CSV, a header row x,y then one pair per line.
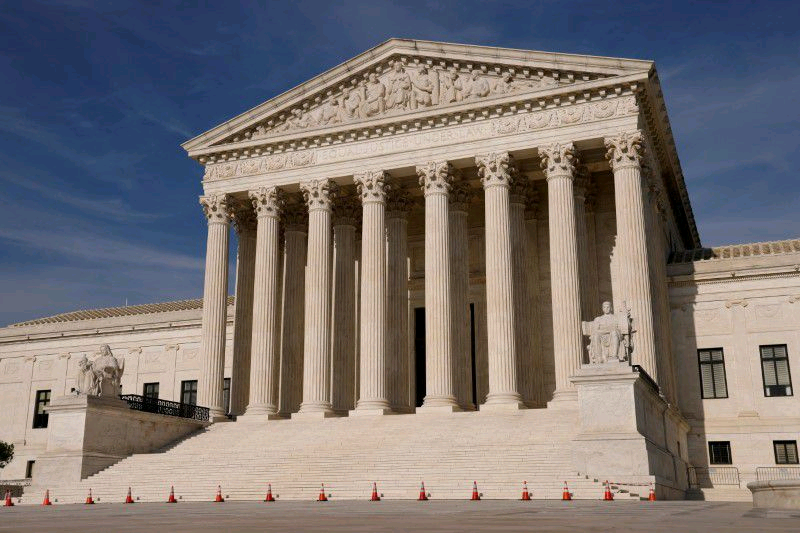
x,y
425,237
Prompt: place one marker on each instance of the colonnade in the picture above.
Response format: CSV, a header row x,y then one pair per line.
x,y
277,244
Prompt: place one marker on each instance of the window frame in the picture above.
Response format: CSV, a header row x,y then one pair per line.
x,y
41,420
711,364
711,454
150,397
773,359
184,391
226,395
784,443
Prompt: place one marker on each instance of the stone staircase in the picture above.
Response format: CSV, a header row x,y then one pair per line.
x,y
497,449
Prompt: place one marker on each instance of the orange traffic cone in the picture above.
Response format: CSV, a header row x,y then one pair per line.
x,y
652,496
218,498
8,502
171,498
46,500
525,494
374,497
89,499
269,497
422,496
566,495
475,495
607,495
322,497
128,498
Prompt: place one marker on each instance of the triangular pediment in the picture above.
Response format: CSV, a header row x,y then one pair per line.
x,y
401,77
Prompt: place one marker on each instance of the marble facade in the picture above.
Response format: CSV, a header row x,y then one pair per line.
x,y
442,218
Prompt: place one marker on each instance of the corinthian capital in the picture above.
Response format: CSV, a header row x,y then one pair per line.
x,y
319,194
267,201
436,177
624,149
215,208
496,168
372,185
558,159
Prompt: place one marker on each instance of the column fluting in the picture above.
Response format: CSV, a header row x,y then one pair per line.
x,y
435,178
245,224
580,185
558,162
398,204
537,382
497,172
460,197
624,155
346,212
319,195
264,362
215,305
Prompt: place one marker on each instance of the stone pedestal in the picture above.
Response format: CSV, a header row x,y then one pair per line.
x,y
627,432
89,433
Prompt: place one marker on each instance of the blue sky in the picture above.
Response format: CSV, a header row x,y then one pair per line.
x,y
98,202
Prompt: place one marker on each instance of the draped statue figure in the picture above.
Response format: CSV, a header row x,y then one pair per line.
x,y
609,336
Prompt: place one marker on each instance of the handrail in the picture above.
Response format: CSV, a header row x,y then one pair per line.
x,y
166,407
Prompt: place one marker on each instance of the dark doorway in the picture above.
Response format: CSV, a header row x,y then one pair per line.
x,y
419,355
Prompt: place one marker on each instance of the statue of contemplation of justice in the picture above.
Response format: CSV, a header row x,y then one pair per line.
x,y
609,336
100,377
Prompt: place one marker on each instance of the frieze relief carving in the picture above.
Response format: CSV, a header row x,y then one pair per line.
x,y
397,87
520,123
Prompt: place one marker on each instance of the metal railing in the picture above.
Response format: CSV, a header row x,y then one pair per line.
x,y
775,473
165,407
712,476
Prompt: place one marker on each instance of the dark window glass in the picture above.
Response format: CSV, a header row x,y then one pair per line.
x,y
775,370
719,453
150,391
189,392
226,395
29,469
40,417
712,373
785,452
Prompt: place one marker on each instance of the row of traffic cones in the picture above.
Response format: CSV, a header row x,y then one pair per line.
x,y
566,495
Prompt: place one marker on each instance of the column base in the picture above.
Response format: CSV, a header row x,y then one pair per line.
x,y
564,399
217,415
502,406
367,411
437,409
258,415
314,415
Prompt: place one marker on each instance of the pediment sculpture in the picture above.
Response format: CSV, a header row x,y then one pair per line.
x,y
100,377
609,336
400,88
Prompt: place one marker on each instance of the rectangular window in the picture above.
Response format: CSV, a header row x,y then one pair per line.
x,y
785,452
226,395
712,373
719,453
150,391
189,392
775,370
40,417
29,469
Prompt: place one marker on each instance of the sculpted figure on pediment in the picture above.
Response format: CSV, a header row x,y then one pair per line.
x,y
425,85
453,87
297,121
331,113
375,99
350,107
478,86
399,88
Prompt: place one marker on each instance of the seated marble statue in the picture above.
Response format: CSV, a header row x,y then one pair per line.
x,y
609,336
100,377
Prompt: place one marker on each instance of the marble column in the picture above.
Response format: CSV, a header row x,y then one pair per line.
x,y
436,178
265,363
373,398
215,306
625,154
593,291
319,195
398,374
460,198
523,307
346,212
293,301
534,303
497,172
558,162
245,224
579,186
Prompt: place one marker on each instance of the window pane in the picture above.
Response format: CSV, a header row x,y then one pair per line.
x,y
782,371
769,373
704,355
766,352
779,351
716,355
720,388
708,381
780,454
720,453
791,453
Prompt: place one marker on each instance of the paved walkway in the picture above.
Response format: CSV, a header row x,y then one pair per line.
x,y
432,516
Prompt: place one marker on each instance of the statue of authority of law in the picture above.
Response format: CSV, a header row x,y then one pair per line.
x,y
609,336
